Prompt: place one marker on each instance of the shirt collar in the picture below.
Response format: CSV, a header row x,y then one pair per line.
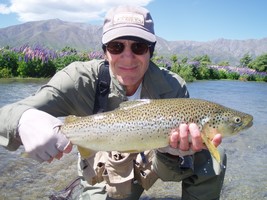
x,y
155,84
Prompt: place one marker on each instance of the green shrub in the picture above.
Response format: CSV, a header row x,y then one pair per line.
x,y
5,73
36,68
232,75
8,61
183,70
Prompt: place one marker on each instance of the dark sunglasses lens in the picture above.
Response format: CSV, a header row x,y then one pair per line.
x,y
139,48
115,47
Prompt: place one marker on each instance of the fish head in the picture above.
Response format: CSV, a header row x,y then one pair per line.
x,y
227,122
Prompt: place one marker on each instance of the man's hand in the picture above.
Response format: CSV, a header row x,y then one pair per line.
x,y
41,137
186,140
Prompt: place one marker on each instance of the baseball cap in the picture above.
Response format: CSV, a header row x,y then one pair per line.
x,y
128,20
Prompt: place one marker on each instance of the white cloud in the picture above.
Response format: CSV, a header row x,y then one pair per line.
x,y
68,10
4,9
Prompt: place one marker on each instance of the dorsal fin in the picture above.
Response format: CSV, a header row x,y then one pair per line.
x,y
71,118
132,104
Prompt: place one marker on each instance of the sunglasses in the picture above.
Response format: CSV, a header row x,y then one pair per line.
x,y
138,48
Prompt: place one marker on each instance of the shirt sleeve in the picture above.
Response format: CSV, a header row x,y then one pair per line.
x,y
71,91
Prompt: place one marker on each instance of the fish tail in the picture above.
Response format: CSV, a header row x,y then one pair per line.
x,y
25,155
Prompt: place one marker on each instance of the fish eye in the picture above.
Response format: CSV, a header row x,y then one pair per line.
x,y
237,120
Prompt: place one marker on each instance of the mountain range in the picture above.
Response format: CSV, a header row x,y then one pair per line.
x,y
57,34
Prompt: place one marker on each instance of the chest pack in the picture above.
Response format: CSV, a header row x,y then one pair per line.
x,y
102,89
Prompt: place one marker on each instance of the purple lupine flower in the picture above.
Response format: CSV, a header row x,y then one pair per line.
x,y
194,63
240,70
95,55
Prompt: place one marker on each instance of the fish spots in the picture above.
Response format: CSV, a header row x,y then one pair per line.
x,y
147,124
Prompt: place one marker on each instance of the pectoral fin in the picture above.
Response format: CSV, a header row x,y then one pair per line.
x,y
131,151
213,150
85,153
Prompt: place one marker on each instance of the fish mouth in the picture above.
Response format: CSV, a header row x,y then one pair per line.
x,y
244,127
249,124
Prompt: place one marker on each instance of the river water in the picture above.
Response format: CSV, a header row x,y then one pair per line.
x,y
246,176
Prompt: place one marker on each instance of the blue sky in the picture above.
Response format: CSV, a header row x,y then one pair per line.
x,y
198,20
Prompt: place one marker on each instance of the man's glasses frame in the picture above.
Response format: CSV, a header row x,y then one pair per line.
x,y
138,48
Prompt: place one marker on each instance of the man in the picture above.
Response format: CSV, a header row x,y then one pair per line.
x,y
128,42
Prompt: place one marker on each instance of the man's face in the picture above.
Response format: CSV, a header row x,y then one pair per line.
x,y
128,67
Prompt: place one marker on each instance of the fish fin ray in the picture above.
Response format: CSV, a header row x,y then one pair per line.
x,y
133,104
212,149
25,155
71,118
84,152
131,151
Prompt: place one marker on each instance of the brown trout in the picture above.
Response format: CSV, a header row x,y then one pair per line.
x,y
145,124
